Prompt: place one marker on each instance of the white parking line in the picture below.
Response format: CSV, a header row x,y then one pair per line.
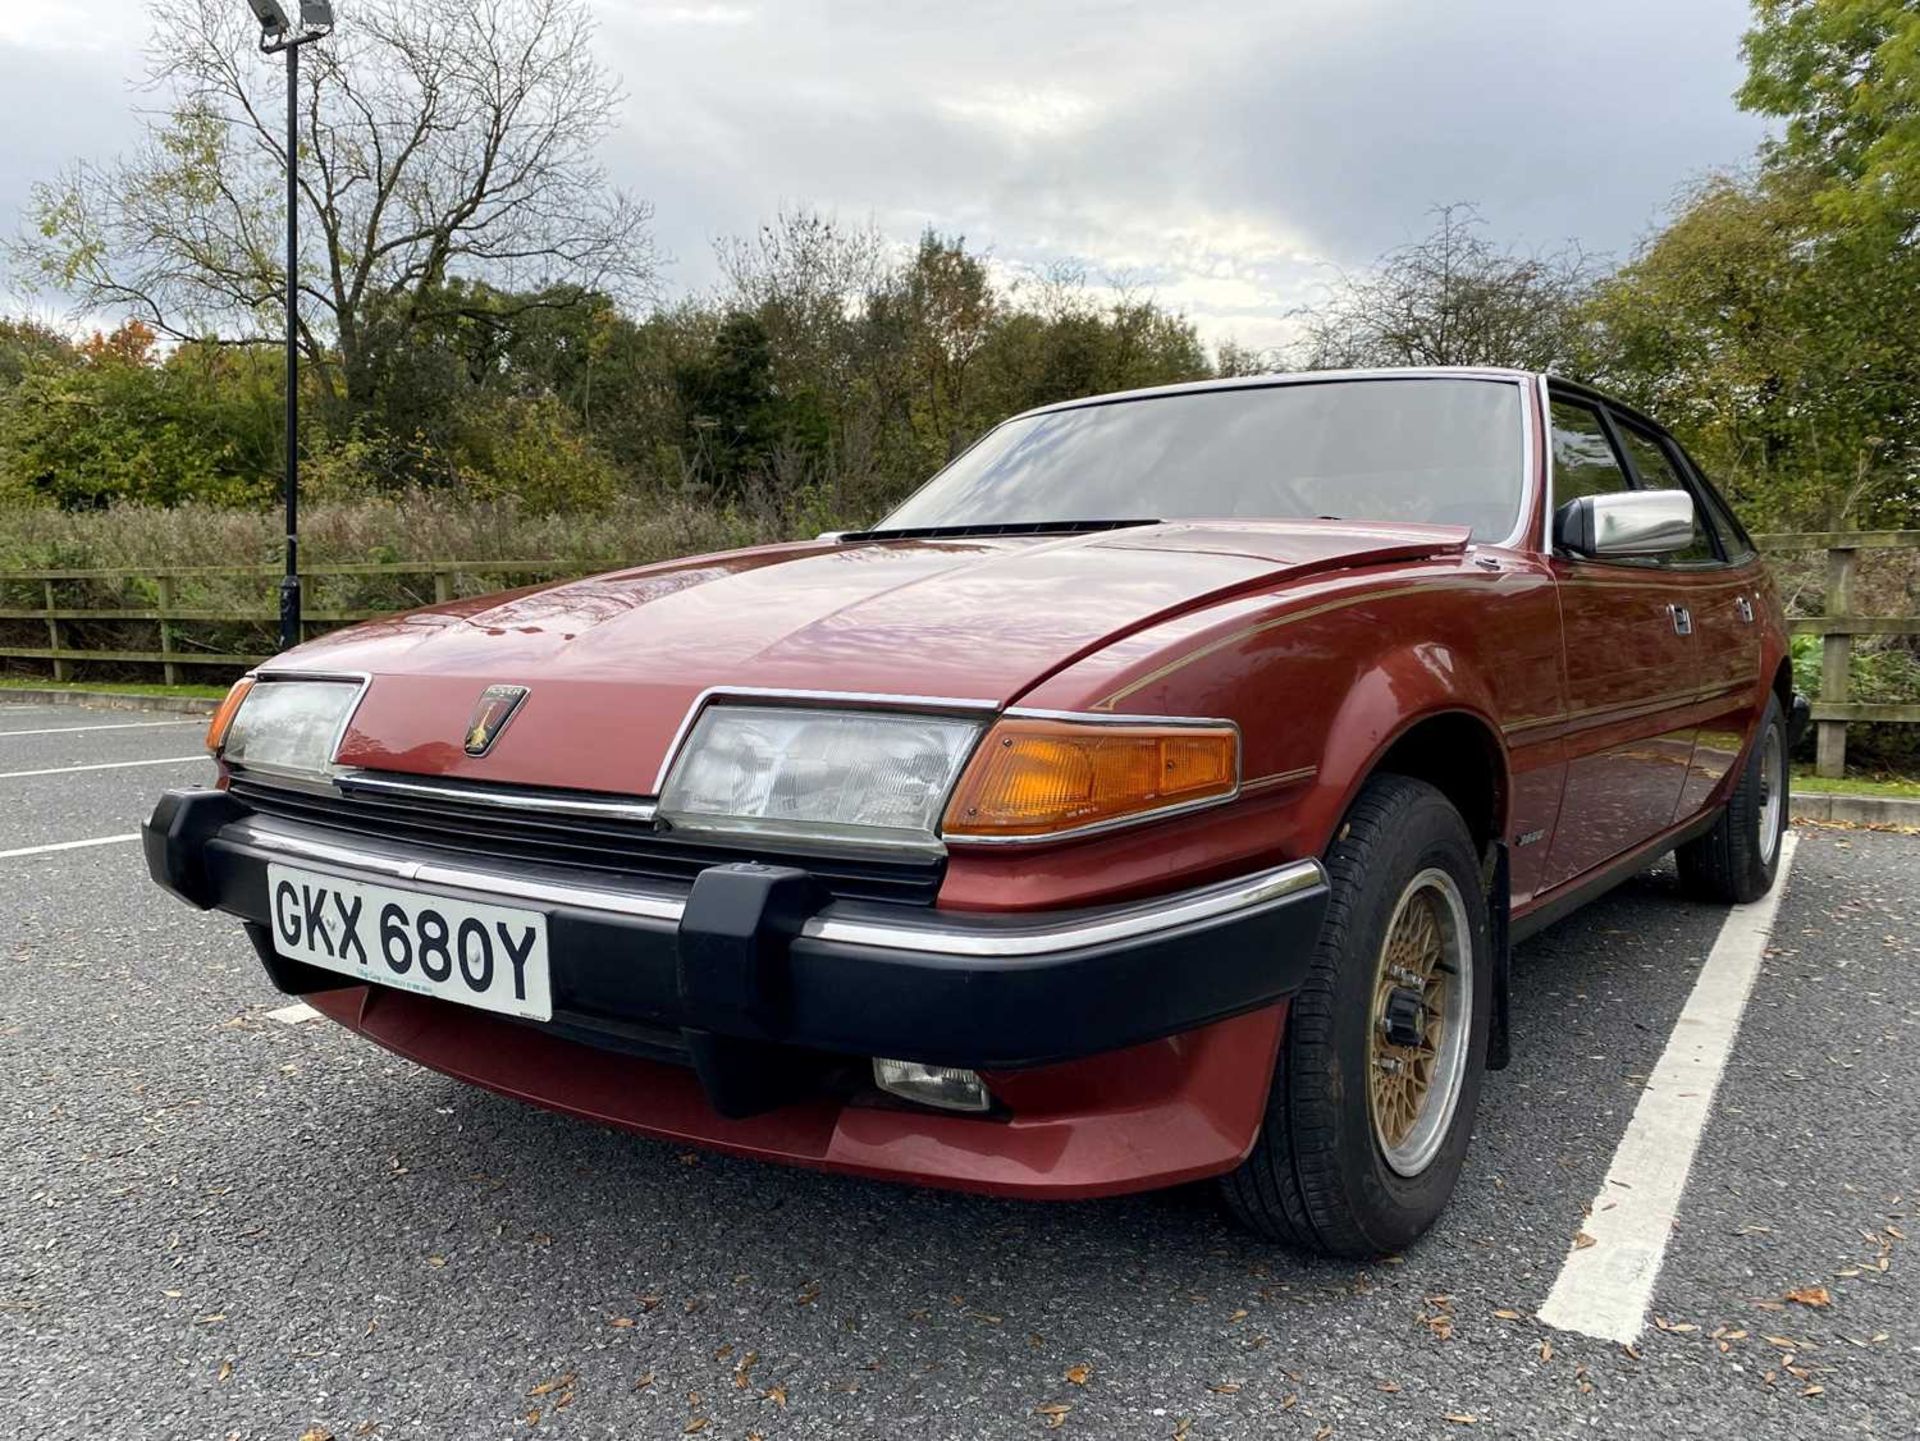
x,y
294,1014
101,766
70,845
116,726
1606,1283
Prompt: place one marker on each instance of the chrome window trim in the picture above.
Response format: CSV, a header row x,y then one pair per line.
x,y
986,935
1545,393
497,797
1517,537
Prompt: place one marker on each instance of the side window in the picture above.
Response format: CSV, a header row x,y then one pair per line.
x,y
1734,541
1583,458
1657,472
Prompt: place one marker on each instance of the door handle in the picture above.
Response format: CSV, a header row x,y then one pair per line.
x,y
1682,619
1745,607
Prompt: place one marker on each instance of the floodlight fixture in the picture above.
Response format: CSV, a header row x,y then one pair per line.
x,y
273,17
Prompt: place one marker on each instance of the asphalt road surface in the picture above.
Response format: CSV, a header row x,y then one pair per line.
x,y
216,1223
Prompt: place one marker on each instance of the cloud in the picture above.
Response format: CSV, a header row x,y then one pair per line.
x,y
1225,154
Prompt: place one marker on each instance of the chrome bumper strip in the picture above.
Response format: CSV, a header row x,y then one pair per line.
x,y
972,934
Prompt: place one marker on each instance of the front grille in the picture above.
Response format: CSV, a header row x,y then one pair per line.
x,y
616,847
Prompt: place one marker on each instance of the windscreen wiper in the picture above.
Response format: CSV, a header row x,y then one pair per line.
x,y
1021,527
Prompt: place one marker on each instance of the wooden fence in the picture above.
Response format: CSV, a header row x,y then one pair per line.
x,y
179,653
1837,628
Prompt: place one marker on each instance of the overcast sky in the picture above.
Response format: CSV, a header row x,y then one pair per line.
x,y
1224,154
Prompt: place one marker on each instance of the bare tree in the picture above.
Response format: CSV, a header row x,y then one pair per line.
x,y
1452,297
439,144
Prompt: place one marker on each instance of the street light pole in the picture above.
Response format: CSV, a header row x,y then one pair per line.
x,y
278,32
290,582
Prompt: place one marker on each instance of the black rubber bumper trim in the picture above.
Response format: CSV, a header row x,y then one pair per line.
x,y
777,985
174,839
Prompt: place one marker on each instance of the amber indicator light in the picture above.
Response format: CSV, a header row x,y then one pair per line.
x,y
1036,777
222,721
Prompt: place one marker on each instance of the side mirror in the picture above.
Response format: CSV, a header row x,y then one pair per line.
x,y
1628,523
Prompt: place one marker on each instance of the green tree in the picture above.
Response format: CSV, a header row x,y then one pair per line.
x,y
732,409
121,425
1845,75
1784,350
437,144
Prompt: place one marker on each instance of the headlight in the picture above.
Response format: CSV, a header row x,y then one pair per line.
x,y
854,776
285,725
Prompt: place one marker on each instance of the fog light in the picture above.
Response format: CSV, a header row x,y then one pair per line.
x,y
949,1087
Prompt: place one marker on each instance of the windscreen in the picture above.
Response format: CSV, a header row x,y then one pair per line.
x,y
1446,451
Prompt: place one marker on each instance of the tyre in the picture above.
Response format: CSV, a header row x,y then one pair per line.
x,y
1737,860
1378,1077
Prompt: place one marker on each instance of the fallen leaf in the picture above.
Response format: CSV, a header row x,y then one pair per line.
x,y
545,1387
1239,1315
1546,1349
1390,1387
1508,1315
644,1382
1228,1388
1055,1412
808,1296
775,1394
1815,1390
226,1371
436,1260
532,1418
698,1423
620,1323
1326,1430
1462,1418
1581,1240
316,1433
1810,1296
1078,1374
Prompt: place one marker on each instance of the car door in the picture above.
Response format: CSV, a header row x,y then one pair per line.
x,y
1628,731
1716,583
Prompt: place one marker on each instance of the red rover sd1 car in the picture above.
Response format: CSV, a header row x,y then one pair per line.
x,y
1153,796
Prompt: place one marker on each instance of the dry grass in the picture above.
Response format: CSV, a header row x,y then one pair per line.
x,y
131,539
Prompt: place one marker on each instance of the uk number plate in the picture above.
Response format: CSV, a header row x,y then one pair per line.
x,y
492,957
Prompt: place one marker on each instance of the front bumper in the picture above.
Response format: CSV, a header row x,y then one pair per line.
x,y
749,982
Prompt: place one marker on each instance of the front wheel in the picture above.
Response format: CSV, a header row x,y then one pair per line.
x,y
1378,1079
1737,860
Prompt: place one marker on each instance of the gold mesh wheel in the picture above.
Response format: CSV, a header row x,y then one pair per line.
x,y
1417,1040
